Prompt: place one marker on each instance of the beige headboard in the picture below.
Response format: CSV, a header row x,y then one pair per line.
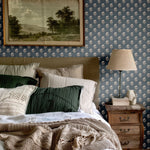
x,y
91,65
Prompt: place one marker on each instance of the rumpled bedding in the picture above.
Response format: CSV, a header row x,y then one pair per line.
x,y
57,131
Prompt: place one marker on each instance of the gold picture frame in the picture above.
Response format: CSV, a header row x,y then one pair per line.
x,y
43,22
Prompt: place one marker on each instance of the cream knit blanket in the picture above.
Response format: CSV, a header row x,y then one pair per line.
x,y
77,134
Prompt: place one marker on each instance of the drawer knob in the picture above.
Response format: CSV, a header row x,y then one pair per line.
x,y
124,142
124,130
124,119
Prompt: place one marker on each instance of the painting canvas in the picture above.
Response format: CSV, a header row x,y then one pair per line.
x,y
43,22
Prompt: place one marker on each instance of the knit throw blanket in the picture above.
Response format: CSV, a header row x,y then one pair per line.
x,y
77,134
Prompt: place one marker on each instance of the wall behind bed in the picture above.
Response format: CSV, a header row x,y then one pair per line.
x,y
109,24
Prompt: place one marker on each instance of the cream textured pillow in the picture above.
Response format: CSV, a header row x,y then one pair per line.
x,y
74,71
14,101
87,93
19,70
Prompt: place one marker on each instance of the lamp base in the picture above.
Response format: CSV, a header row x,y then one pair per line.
x,y
120,101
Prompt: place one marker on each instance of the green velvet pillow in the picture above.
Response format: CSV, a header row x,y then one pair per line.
x,y
9,81
64,99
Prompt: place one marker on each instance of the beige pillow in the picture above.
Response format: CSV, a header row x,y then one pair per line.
x,y
75,71
19,70
87,92
14,101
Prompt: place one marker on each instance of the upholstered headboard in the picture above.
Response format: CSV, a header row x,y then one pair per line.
x,y
91,66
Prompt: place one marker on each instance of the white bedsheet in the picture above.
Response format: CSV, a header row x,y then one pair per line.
x,y
48,117
52,116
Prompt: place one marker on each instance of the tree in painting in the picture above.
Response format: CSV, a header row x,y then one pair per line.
x,y
14,26
52,24
66,15
66,22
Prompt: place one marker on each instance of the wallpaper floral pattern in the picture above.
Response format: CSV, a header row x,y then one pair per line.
x,y
109,24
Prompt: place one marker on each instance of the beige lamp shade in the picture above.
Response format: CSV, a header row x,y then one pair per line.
x,y
121,59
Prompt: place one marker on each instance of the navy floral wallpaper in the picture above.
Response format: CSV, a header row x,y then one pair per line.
x,y
109,24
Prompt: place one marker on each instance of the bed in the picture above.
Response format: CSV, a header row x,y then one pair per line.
x,y
51,103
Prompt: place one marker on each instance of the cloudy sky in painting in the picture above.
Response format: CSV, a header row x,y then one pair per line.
x,y
36,12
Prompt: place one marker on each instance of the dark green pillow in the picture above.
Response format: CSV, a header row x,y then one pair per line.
x,y
9,81
64,99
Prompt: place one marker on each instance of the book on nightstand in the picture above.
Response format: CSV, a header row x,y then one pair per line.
x,y
120,101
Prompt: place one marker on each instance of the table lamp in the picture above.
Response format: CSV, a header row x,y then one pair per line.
x,y
121,60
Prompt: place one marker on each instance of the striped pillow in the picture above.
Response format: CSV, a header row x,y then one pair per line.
x,y
87,93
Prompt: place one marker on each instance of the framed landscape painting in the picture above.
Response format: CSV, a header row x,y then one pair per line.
x,y
43,22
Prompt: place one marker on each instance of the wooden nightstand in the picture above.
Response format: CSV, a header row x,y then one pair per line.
x,y
127,122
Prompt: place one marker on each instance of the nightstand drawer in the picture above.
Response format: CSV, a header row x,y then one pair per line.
x,y
124,118
127,129
130,141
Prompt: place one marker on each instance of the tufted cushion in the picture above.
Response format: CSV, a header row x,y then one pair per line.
x,y
14,101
